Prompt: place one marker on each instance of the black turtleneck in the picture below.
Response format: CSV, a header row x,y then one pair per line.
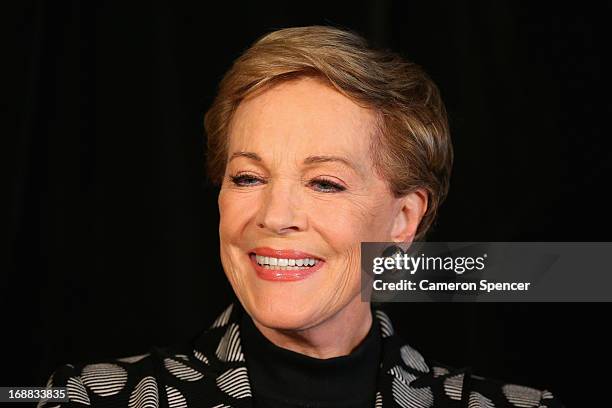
x,y
282,378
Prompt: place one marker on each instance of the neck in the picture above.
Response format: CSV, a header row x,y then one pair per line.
x,y
335,336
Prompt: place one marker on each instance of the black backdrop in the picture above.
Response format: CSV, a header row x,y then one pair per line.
x,y
113,229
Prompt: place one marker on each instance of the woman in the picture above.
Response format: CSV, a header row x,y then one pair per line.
x,y
318,143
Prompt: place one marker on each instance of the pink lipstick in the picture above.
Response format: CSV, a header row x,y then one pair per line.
x,y
284,264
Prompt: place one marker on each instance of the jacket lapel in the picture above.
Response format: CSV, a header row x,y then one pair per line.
x,y
405,379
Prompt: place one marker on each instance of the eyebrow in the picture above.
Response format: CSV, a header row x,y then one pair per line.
x,y
327,159
309,160
248,155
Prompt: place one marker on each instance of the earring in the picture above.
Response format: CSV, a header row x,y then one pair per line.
x,y
392,251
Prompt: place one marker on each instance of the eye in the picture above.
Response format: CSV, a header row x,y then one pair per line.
x,y
326,186
246,180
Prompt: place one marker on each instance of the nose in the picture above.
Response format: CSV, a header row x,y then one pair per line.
x,y
281,211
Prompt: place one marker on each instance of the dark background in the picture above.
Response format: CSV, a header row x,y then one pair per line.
x,y
113,229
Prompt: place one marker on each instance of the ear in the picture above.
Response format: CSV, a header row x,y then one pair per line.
x,y
411,209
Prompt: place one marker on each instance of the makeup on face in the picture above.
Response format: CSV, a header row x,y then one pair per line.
x,y
284,264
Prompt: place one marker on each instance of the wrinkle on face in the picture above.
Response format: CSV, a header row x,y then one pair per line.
x,y
285,126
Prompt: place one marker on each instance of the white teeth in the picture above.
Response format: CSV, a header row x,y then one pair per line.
x,y
284,263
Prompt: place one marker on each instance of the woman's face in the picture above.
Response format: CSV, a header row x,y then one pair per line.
x,y
300,188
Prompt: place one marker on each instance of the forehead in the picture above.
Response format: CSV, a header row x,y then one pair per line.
x,y
301,117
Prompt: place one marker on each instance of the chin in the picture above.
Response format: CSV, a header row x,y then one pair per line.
x,y
286,311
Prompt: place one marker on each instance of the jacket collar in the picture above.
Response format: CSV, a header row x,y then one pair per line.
x,y
405,378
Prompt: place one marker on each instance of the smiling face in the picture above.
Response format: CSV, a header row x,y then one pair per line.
x,y
300,188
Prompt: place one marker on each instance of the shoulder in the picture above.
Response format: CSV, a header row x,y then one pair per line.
x,y
84,382
477,391
410,377
162,374
207,370
413,378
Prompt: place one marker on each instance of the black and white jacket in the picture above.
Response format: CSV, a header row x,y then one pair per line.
x,y
211,372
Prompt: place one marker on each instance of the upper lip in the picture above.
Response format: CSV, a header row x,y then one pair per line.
x,y
282,253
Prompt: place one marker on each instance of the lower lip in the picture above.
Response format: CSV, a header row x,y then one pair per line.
x,y
280,275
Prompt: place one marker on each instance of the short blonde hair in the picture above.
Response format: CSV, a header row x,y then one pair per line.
x,y
412,148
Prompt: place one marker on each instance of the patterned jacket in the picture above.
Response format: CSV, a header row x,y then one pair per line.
x,y
211,371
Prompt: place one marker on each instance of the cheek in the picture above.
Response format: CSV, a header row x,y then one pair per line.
x,y
234,216
348,222
235,211
343,225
